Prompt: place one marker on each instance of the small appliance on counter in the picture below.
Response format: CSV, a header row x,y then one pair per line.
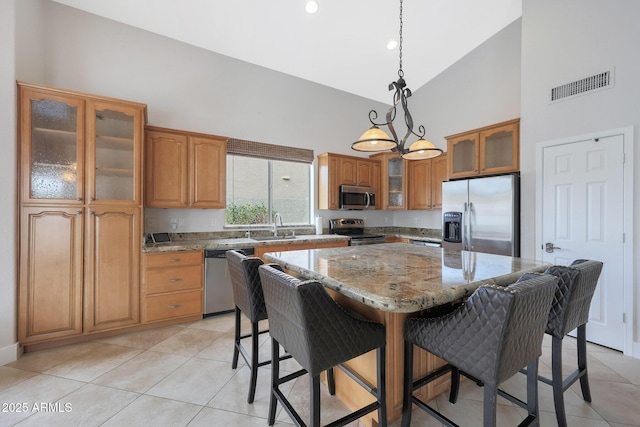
x,y
157,238
354,228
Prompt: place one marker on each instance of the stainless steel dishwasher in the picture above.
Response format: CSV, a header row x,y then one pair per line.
x,y
218,295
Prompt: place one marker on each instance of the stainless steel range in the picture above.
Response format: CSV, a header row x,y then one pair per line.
x,y
354,228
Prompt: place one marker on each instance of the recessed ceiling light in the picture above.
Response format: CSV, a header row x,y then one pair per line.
x,y
392,44
311,7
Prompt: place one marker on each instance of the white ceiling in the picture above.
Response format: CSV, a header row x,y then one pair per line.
x,y
343,45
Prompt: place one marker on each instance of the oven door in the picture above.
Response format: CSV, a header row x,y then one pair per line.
x,y
357,198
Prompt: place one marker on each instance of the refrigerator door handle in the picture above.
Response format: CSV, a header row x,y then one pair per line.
x,y
469,229
465,215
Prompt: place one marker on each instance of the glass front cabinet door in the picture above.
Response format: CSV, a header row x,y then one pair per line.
x,y
113,153
79,151
490,150
52,133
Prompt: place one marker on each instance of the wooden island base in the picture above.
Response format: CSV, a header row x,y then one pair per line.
x,y
354,396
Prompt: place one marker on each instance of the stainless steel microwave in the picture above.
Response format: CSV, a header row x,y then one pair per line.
x,y
356,197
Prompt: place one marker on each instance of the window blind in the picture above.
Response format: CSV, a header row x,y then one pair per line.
x,y
241,147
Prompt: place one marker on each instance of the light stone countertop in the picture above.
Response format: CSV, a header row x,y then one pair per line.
x,y
240,242
403,278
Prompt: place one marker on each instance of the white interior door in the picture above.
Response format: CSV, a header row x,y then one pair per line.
x,y
582,217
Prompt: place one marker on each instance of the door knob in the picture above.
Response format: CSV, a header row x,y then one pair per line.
x,y
549,248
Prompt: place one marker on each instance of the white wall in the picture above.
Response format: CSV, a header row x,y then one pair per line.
x,y
566,41
8,215
478,90
186,87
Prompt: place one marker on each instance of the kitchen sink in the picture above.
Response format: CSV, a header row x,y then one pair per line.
x,y
266,239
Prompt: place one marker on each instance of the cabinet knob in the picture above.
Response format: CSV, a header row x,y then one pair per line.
x,y
174,260
79,199
91,199
175,280
174,306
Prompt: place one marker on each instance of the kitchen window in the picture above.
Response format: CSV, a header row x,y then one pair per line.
x,y
264,179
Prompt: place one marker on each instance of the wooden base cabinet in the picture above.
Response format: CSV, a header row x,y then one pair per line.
x,y
51,273
79,271
112,284
172,285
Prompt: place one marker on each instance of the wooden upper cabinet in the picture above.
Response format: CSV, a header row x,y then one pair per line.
x,y
52,146
420,184
463,155
439,174
328,181
185,169
392,193
348,171
500,149
207,172
425,182
365,173
166,170
490,150
335,170
114,153
77,148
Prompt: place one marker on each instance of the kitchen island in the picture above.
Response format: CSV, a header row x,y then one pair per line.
x,y
390,282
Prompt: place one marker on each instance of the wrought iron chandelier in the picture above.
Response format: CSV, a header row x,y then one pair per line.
x,y
375,139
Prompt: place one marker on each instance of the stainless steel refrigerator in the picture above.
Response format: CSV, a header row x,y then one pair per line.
x,y
482,215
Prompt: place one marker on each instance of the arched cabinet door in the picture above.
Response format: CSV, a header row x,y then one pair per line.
x,y
51,279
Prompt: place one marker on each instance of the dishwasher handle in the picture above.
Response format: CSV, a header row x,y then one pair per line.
x,y
222,253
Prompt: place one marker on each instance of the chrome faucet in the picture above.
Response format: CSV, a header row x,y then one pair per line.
x,y
277,218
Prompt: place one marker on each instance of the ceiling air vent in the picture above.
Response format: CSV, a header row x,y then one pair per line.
x,y
588,84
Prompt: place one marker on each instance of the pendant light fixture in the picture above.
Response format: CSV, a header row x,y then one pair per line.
x,y
375,139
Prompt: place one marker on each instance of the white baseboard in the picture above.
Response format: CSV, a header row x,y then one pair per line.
x,y
10,353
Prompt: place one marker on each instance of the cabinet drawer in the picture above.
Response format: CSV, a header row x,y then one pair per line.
x,y
168,306
172,259
173,279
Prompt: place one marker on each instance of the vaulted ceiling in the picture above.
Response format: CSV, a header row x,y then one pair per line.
x,y
343,45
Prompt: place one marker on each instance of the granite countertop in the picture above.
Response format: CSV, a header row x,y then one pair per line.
x,y
403,278
237,242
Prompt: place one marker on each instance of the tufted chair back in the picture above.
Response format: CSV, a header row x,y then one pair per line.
x,y
311,326
245,281
576,286
494,334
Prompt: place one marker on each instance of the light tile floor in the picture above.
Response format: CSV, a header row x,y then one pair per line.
x,y
182,376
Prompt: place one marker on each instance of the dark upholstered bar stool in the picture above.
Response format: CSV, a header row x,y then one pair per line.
x,y
249,300
320,335
570,310
489,338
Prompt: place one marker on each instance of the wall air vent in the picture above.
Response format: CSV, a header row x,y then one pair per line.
x,y
588,84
